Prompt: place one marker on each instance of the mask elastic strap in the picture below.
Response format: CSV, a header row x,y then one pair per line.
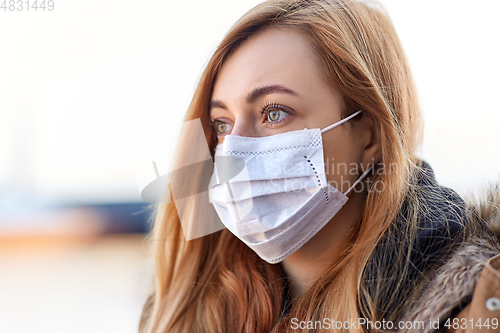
x,y
359,179
341,121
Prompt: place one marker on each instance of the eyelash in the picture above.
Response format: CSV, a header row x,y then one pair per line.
x,y
274,105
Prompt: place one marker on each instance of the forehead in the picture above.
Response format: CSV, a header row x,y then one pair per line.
x,y
273,56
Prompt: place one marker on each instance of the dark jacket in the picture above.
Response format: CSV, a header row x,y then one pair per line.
x,y
463,294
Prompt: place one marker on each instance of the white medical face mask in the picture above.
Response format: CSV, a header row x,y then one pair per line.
x,y
271,192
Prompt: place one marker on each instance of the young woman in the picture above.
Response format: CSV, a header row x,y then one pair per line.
x,y
335,224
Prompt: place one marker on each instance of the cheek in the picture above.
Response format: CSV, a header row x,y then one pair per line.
x,y
342,160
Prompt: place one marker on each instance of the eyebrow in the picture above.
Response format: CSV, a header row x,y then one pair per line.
x,y
256,94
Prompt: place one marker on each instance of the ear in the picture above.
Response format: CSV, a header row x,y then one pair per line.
x,y
371,141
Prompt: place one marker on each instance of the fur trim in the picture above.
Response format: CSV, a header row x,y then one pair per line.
x,y
452,287
489,209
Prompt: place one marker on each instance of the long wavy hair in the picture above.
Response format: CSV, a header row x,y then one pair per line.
x,y
216,283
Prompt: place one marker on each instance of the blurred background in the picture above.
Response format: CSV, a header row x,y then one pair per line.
x,y
93,91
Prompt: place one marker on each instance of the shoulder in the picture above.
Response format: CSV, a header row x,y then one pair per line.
x,y
464,293
482,314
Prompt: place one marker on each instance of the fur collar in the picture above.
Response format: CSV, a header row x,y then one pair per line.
x,y
452,286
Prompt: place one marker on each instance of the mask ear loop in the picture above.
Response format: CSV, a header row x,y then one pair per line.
x,y
359,180
340,122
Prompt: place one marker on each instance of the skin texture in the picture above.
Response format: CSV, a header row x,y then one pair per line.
x,y
283,57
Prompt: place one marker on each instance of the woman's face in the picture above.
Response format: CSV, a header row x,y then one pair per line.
x,y
271,85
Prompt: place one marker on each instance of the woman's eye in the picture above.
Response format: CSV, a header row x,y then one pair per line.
x,y
222,128
276,115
